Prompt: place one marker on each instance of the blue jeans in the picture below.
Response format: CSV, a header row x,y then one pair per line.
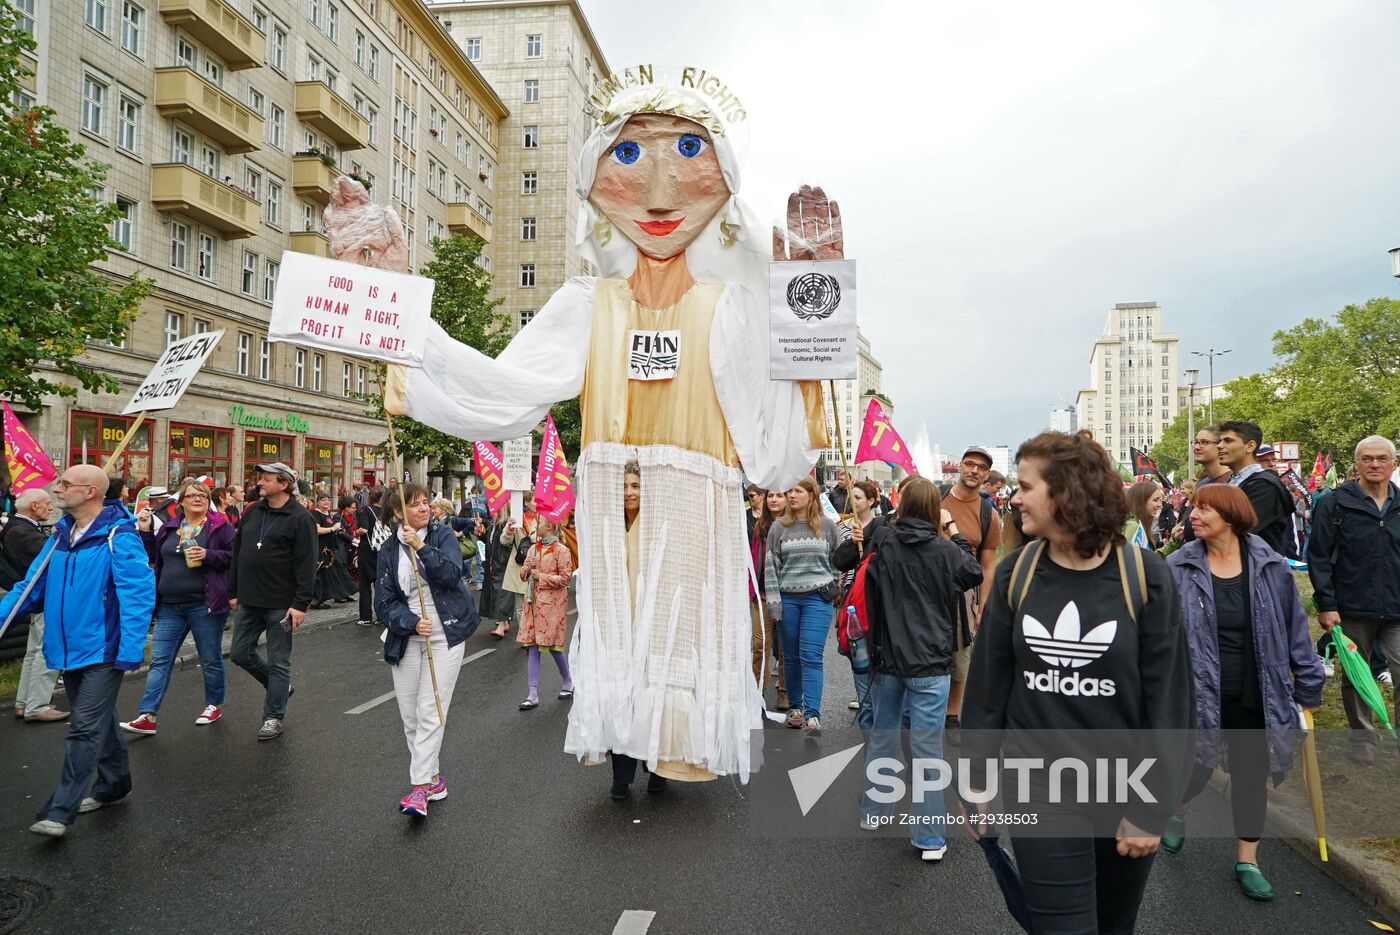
x,y
928,703
806,621
173,623
94,744
865,716
274,673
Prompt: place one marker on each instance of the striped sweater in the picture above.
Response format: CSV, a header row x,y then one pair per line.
x,y
798,562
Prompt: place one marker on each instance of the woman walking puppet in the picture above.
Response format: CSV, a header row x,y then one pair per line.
x,y
662,671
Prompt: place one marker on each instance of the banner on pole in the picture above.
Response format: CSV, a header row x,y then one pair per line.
x,y
338,306
27,463
554,485
880,442
175,369
490,467
516,454
812,320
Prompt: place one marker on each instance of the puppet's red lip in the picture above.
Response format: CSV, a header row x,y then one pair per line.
x,y
660,228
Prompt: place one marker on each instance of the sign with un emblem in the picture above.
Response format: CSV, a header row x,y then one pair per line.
x,y
812,320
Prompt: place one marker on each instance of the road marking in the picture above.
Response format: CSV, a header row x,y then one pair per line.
x,y
634,922
374,702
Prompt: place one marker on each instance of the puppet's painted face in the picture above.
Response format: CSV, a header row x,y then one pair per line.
x,y
660,183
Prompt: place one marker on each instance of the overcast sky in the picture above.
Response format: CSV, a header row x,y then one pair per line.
x,y
1007,172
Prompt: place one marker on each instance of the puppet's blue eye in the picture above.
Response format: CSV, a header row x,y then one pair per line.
x,y
690,145
627,152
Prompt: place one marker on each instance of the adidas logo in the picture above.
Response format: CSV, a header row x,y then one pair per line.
x,y
1066,648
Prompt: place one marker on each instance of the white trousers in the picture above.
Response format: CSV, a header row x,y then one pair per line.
x,y
414,687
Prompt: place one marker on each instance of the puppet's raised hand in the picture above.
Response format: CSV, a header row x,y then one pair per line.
x,y
361,231
813,228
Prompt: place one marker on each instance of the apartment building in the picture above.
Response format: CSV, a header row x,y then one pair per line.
x,y
1132,395
225,123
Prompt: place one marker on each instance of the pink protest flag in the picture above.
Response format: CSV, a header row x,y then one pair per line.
x,y
554,485
880,442
490,467
28,465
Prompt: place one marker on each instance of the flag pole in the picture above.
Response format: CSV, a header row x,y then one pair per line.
x,y
413,562
841,446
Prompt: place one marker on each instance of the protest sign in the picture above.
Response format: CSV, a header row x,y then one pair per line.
x,y
812,320
490,467
338,306
554,485
27,463
174,370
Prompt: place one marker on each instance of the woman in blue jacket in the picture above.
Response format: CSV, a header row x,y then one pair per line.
x,y
442,613
1253,662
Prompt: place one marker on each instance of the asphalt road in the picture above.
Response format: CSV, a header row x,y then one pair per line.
x,y
224,834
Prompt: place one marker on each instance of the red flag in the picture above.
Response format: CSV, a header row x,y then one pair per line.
x,y
554,485
490,467
27,463
880,442
1318,473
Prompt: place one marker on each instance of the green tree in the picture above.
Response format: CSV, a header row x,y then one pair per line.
x,y
52,231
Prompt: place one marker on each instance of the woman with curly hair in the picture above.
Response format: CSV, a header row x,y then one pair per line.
x,y
1080,631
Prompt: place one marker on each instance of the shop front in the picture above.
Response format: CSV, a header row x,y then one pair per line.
x,y
92,437
265,448
197,450
369,467
324,465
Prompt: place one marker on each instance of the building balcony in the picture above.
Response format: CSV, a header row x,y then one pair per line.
x,y
183,94
311,242
463,219
216,24
178,187
320,107
312,179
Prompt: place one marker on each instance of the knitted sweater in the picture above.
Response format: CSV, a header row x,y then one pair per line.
x,y
798,561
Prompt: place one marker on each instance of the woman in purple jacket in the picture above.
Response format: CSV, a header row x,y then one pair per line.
x,y
1253,661
191,555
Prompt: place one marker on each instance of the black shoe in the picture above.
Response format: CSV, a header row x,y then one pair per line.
x,y
656,784
952,729
620,791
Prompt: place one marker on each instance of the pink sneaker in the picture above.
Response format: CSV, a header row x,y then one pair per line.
x,y
211,714
415,803
145,724
437,790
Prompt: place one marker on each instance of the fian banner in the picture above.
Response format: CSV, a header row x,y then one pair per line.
x,y
812,320
173,372
554,485
338,306
490,467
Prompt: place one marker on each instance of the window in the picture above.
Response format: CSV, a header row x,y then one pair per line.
x,y
313,67
360,379
532,137
313,12
318,365
133,29
332,79
525,316
245,341
201,326
527,275
532,90
374,62
345,376
372,117
276,126
209,161
95,14
181,147
534,46
184,52
277,49
270,280
462,147
249,282
332,22
299,370
529,183
173,323
206,256
124,223
180,246
128,125
361,49
24,15
94,105
214,72
252,182
260,19
264,359
460,192
473,49
527,228
273,204
256,100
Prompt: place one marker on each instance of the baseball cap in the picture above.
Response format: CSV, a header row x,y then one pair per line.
x,y
1263,450
978,450
277,467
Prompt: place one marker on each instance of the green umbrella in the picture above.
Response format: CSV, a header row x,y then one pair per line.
x,y
1358,673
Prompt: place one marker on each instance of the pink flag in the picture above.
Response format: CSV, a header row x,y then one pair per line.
x,y
880,442
28,465
554,485
490,467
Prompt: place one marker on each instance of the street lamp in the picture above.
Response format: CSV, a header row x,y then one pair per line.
x,y
1395,262
1211,355
1191,377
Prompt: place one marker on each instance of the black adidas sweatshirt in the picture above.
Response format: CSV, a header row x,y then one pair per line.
x,y
1072,659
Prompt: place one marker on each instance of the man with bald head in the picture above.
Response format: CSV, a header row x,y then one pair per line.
x,y
97,593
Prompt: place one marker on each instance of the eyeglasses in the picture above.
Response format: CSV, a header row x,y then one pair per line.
x,y
976,466
1203,441
1376,459
66,484
196,496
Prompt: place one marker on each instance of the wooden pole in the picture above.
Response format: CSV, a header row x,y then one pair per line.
x,y
413,561
126,440
841,446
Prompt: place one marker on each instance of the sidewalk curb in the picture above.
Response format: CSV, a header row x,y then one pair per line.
x,y
1374,881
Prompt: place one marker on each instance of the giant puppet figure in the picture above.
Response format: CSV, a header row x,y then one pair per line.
x,y
668,348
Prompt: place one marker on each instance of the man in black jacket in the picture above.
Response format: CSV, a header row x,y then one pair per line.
x,y
24,539
270,583
1272,502
1354,564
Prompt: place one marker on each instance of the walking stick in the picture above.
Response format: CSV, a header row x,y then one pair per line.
x,y
841,445
412,560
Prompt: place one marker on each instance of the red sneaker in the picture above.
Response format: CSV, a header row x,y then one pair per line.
x,y
415,803
212,713
437,790
145,724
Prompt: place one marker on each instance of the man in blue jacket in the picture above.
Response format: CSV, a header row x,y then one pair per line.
x,y
97,594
